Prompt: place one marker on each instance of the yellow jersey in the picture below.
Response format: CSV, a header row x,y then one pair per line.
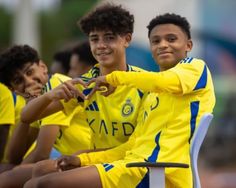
x,y
170,114
11,106
112,119
7,109
74,133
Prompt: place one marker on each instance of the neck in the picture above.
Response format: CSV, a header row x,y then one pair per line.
x,y
107,69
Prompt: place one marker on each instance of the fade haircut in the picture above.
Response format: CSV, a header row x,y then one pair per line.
x,y
14,59
108,17
170,19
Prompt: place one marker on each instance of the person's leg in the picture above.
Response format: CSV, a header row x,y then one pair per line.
x,y
16,177
5,167
44,167
85,177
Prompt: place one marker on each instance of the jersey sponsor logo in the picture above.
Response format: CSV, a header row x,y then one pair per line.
x,y
111,128
127,108
186,60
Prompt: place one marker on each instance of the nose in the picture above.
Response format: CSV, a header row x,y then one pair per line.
x,y
28,81
163,44
101,44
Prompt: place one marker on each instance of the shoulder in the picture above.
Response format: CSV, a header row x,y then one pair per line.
x,y
133,68
4,90
190,63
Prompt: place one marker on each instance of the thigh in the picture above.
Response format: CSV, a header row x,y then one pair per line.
x,y
17,176
85,177
5,167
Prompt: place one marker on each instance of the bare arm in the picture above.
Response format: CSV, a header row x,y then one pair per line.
x,y
45,141
49,102
22,138
4,129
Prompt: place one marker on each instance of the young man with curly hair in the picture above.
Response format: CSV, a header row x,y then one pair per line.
x,y
23,72
179,95
112,119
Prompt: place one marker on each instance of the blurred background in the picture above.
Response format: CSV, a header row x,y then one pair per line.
x,y
50,25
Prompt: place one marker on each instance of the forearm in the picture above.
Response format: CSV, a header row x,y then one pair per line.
x,y
18,143
166,81
109,155
34,108
4,129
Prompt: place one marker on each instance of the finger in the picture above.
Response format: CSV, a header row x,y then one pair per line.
x,y
91,81
75,92
79,81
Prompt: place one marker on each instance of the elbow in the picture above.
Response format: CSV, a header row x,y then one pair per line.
x,y
26,118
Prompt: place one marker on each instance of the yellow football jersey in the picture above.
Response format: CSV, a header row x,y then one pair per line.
x,y
112,119
170,114
12,105
73,135
7,110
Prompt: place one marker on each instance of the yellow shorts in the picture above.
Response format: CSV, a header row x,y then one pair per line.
x,y
116,174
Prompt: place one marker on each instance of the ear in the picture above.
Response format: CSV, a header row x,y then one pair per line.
x,y
189,45
128,38
43,66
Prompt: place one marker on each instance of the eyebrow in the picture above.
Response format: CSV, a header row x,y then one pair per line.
x,y
27,67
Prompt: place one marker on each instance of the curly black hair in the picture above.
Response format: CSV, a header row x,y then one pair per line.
x,y
82,49
170,19
108,17
14,59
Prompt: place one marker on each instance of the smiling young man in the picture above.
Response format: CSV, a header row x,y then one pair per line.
x,y
23,72
112,119
179,95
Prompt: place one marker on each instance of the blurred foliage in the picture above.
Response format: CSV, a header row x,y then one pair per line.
x,y
58,27
5,28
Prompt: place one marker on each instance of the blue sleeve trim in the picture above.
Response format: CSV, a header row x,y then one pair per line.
x,y
203,80
14,98
194,107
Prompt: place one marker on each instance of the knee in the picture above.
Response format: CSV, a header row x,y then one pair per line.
x,y
43,167
38,183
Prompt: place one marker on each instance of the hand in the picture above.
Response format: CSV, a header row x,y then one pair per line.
x,y
68,162
32,91
100,85
67,90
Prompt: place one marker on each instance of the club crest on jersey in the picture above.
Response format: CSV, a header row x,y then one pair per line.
x,y
127,108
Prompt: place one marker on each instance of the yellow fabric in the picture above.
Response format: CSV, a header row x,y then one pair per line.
x,y
74,133
118,175
75,137
20,103
112,119
14,104
170,116
7,111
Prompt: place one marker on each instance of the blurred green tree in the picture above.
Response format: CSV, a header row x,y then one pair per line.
x,y
59,27
5,27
